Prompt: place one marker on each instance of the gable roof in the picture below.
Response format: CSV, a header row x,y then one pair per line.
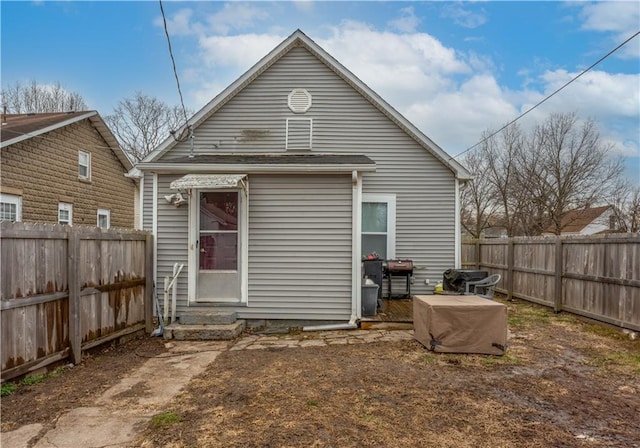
x,y
19,127
574,221
299,39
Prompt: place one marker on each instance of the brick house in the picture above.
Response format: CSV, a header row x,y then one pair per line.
x,y
64,168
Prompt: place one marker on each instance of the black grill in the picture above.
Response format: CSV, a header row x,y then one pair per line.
x,y
399,268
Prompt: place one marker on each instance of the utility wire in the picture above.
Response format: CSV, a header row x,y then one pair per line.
x,y
547,97
173,62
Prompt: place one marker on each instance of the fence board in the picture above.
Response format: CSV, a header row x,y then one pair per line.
x,y
56,301
598,277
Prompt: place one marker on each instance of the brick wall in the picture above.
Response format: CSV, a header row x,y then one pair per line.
x,y
45,170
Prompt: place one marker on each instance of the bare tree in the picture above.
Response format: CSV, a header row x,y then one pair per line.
x,y
633,211
625,203
573,167
533,179
141,123
39,98
503,154
478,197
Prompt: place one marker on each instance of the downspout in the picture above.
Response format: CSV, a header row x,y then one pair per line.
x,y
356,269
458,236
356,274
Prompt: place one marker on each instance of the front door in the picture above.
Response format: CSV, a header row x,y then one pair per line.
x,y
218,246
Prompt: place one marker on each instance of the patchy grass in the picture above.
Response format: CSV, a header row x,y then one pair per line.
x,y
528,315
618,362
165,420
34,379
606,331
7,389
430,358
10,387
508,359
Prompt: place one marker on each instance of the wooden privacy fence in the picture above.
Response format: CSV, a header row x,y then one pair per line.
x,y
67,289
595,277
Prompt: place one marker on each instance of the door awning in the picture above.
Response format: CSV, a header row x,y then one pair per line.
x,y
207,181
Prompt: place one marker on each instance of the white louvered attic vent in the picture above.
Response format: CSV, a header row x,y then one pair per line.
x,y
299,101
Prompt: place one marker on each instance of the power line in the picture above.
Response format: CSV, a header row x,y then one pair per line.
x,y
547,97
173,62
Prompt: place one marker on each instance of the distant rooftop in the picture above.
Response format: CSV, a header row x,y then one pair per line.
x,y
17,125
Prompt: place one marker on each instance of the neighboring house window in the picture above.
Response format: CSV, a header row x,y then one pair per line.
x,y
10,208
84,165
65,213
379,225
104,218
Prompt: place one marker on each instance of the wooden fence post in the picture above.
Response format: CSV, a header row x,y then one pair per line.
x,y
510,268
75,330
477,257
557,300
148,287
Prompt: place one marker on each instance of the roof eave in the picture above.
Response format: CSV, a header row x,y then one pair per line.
x,y
282,168
44,130
111,140
225,95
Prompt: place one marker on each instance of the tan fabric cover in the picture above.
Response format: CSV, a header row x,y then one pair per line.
x,y
460,324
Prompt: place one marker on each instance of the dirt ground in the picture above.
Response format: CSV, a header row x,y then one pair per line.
x,y
71,387
562,383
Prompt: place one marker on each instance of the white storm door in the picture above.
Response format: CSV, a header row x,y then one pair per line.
x,y
218,246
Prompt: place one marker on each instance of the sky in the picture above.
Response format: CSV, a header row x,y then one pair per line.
x,y
454,69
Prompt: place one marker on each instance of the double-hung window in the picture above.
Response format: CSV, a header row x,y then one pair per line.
x,y
10,207
379,225
84,165
104,218
65,213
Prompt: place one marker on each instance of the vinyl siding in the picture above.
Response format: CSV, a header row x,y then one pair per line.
x,y
344,121
300,247
171,239
147,201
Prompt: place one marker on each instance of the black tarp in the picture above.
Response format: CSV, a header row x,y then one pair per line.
x,y
456,279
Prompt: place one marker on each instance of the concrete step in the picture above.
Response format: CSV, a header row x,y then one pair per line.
x,y
209,318
204,332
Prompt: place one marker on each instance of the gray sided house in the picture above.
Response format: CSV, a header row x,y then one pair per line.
x,y
292,174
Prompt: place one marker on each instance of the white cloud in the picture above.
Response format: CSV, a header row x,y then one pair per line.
x,y
236,52
179,24
463,17
450,95
304,5
407,22
236,16
619,18
231,17
456,118
600,93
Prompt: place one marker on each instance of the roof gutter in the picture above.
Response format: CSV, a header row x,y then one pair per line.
x,y
253,168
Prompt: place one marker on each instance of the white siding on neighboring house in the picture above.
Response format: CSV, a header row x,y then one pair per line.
x,y
600,224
